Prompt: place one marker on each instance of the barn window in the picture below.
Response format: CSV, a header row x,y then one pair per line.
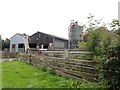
x,y
13,45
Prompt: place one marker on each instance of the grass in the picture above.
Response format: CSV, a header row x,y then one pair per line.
x,y
0,75
16,74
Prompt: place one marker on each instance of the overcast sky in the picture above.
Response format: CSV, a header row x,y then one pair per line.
x,y
51,16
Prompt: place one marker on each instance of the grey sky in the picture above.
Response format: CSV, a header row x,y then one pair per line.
x,y
51,16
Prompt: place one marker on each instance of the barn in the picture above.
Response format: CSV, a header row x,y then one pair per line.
x,y
19,43
46,41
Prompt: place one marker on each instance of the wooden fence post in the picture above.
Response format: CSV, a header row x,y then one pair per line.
x,y
66,54
17,55
30,57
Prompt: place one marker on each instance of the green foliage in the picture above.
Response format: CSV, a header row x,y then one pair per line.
x,y
105,46
5,44
43,69
92,23
93,41
83,45
102,84
100,40
50,71
115,26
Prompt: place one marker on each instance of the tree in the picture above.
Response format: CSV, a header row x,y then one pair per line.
x,y
5,44
114,25
104,44
92,23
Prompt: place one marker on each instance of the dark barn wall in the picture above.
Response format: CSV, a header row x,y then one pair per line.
x,y
45,39
32,41
41,38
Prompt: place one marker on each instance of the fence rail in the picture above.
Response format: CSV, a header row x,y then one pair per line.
x,y
67,53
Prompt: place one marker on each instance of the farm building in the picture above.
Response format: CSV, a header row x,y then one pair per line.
x,y
19,43
46,41
75,32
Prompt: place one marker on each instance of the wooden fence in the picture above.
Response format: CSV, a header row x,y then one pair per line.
x,y
79,70
7,55
68,54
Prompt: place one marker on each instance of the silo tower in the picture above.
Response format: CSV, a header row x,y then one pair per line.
x,y
75,32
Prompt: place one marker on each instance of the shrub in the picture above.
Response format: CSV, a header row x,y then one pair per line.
x,y
83,45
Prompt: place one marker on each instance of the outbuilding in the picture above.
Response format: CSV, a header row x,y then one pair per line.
x,y
19,43
40,40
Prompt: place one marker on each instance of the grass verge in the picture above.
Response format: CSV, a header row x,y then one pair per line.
x,y
16,74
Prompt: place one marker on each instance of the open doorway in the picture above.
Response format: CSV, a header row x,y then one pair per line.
x,y
32,46
21,47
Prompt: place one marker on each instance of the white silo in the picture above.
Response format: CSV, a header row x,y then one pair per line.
x,y
75,35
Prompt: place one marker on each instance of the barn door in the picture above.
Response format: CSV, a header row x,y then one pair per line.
x,y
13,47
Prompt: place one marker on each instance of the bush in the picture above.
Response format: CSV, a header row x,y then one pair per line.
x,y
83,45
105,48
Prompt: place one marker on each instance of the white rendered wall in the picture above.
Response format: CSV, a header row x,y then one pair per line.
x,y
75,35
16,39
78,32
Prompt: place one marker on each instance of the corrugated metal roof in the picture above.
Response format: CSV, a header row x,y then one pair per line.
x,y
50,35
